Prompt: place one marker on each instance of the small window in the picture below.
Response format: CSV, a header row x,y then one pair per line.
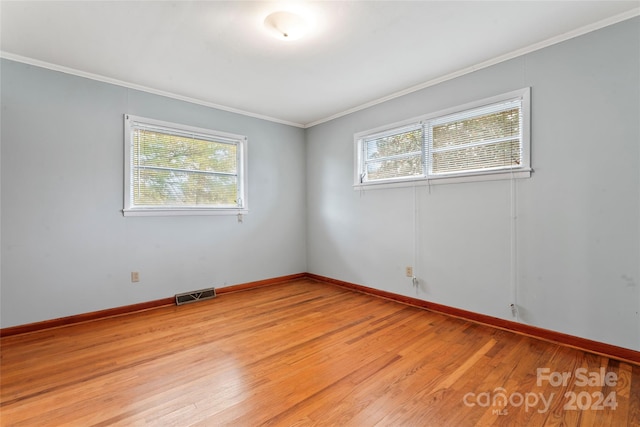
x,y
172,169
488,139
394,154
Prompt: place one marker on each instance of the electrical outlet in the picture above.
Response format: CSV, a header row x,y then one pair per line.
x,y
409,271
135,276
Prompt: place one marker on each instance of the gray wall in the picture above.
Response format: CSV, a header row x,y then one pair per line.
x,y
67,249
570,259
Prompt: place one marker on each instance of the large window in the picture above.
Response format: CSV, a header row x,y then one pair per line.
x,y
488,139
173,169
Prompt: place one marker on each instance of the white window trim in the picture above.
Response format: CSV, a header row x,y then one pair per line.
x,y
523,171
132,210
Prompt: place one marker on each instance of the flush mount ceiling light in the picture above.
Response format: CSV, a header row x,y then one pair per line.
x,y
286,25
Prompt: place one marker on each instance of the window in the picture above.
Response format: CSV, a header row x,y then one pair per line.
x,y
488,139
173,169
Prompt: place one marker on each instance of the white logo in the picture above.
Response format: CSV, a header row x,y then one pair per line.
x,y
500,399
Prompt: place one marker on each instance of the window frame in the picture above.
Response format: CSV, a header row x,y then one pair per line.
x,y
131,122
427,178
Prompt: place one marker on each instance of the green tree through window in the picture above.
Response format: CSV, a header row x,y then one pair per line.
x,y
174,168
484,138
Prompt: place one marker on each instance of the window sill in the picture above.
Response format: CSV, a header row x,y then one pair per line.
x,y
182,212
450,179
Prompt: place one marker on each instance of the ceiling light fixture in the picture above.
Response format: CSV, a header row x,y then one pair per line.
x,y
286,25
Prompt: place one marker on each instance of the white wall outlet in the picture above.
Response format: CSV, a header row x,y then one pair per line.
x,y
135,276
409,271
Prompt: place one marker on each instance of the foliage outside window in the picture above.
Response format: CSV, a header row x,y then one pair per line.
x,y
484,140
172,169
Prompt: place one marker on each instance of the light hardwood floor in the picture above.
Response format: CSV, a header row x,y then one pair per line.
x,y
304,353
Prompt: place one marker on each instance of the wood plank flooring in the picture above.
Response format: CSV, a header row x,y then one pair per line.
x,y
305,353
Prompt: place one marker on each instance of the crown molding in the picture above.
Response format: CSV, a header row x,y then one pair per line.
x,y
129,85
493,61
479,66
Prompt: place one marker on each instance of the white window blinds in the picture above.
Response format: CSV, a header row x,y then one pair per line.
x,y
487,137
175,167
393,154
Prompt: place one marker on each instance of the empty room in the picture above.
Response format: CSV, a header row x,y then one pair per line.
x,y
340,213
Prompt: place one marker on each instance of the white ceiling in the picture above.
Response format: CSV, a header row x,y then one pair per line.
x,y
219,53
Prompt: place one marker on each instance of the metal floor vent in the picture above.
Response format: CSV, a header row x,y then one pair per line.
x,y
193,296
